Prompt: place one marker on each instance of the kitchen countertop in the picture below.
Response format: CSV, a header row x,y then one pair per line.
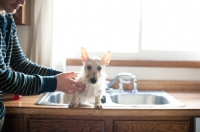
x,y
25,105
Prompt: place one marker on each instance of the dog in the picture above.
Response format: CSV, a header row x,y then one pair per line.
x,y
93,74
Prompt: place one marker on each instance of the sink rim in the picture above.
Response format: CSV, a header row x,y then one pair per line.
x,y
139,99
46,96
109,103
172,101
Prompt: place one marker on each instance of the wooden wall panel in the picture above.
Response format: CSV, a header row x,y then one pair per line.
x,y
143,63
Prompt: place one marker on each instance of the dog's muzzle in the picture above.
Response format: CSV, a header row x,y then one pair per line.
x,y
93,80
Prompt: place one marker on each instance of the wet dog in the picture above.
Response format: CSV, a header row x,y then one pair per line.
x,y
93,74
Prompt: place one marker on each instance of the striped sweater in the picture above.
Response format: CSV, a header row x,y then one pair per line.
x,y
18,75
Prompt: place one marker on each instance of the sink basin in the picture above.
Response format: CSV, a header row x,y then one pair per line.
x,y
56,98
142,98
116,99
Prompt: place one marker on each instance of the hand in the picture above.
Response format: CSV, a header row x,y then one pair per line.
x,y
67,84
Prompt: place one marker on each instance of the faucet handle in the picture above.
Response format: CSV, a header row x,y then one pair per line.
x,y
106,85
131,77
125,74
123,81
134,79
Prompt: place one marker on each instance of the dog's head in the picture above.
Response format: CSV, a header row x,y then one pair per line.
x,y
94,67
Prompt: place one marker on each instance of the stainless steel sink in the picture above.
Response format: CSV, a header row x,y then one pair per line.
x,y
142,98
117,99
56,98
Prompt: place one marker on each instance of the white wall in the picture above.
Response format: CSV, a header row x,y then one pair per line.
x,y
142,73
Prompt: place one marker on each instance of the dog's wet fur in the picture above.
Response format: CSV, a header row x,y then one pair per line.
x,y
93,74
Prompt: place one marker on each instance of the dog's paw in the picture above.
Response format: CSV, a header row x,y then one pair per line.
x,y
73,105
98,106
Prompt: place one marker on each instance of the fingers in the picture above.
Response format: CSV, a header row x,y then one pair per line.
x,y
73,88
76,86
71,75
69,92
67,84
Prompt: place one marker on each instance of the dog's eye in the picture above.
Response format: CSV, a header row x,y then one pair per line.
x,y
99,68
89,67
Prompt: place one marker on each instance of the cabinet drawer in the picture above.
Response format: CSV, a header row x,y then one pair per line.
x,y
151,126
65,126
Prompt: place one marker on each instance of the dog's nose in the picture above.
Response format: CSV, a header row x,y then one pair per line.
x,y
93,80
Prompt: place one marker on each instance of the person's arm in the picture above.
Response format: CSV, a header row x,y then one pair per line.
x,y
24,77
28,78
22,84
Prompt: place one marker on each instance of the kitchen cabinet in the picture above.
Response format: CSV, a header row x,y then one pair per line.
x,y
151,126
43,125
23,116
22,16
58,123
13,123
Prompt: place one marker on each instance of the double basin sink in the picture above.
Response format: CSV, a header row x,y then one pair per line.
x,y
116,98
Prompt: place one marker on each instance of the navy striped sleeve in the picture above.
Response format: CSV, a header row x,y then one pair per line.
x,y
19,75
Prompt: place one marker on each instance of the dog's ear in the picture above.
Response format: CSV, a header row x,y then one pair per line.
x,y
84,55
105,59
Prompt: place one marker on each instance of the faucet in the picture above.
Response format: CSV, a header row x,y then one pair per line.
x,y
130,76
134,79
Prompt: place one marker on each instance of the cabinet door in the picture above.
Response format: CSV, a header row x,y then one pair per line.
x,y
13,123
151,126
65,126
